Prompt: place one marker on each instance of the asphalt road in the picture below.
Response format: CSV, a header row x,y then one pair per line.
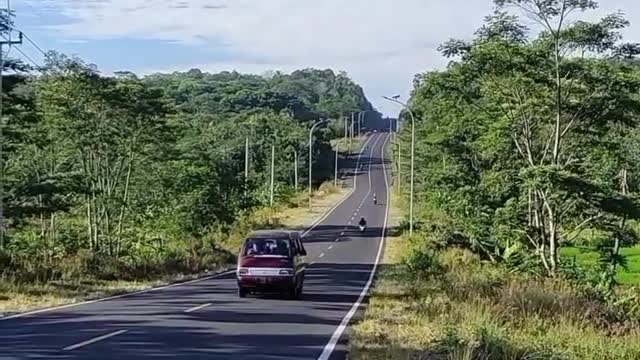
x,y
205,319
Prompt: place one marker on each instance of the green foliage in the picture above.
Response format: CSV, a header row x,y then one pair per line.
x,y
128,178
525,141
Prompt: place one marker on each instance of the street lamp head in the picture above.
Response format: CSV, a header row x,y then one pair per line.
x,y
396,97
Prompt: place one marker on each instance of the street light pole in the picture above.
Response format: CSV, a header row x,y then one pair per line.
x,y
399,165
335,171
346,129
413,141
273,163
352,127
246,159
311,154
295,170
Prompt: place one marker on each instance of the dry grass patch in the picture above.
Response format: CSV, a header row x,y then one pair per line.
x,y
343,145
24,297
476,311
300,216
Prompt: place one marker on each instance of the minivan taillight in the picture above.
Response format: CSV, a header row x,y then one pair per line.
x,y
243,272
286,272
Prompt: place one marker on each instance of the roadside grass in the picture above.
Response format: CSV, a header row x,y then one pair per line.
x,y
586,256
23,297
301,216
467,309
19,296
342,145
462,308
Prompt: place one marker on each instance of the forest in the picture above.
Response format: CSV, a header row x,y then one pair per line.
x,y
128,177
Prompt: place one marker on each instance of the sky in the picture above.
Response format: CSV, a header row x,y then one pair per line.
x,y
381,44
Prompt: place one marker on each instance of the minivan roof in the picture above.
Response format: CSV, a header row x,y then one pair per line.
x,y
261,234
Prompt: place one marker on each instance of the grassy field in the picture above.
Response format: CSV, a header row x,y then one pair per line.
x,y
587,257
28,296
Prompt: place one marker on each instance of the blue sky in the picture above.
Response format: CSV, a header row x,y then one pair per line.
x,y
382,44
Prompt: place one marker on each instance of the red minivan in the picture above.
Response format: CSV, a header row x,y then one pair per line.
x,y
272,261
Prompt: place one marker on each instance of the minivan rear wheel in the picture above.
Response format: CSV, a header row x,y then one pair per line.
x,y
299,292
293,293
242,292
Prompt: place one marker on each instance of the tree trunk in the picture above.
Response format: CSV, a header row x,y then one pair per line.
x,y
89,226
624,189
556,140
125,200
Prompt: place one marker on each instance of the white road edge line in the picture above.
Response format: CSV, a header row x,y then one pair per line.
x,y
87,302
94,340
197,307
331,345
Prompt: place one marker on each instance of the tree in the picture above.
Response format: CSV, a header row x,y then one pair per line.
x,y
515,121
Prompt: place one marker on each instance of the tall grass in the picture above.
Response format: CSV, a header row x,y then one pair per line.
x,y
468,309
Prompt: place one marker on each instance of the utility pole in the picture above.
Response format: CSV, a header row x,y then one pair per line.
x,y
9,42
273,162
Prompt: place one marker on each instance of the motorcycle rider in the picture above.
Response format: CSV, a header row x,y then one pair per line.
x,y
375,199
362,223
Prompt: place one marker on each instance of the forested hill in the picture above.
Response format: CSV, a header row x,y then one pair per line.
x,y
306,94
112,175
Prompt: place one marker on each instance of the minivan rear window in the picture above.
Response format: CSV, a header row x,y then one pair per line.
x,y
267,247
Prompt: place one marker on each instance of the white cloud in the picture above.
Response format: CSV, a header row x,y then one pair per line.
x,y
381,43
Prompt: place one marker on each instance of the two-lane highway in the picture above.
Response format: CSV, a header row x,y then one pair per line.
x,y
205,319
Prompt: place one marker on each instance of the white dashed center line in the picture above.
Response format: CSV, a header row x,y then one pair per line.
x,y
94,340
330,247
321,255
197,307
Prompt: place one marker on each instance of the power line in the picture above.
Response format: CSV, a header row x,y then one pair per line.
x,y
38,66
33,43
